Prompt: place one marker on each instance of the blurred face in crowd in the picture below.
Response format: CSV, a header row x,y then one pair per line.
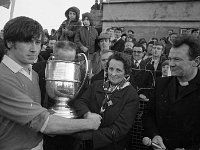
x,y
173,37
25,53
51,43
157,50
195,34
130,33
165,70
104,59
86,22
111,32
118,34
116,71
137,53
72,15
65,54
129,45
149,49
45,40
180,63
170,32
104,44
124,37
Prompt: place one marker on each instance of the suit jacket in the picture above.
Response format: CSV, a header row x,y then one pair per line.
x,y
117,119
99,76
173,113
118,46
158,71
142,79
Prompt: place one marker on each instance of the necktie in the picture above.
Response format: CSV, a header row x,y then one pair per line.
x,y
136,63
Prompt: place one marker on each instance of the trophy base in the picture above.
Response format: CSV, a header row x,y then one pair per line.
x,y
64,112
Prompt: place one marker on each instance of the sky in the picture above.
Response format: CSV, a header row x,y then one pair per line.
x,y
49,13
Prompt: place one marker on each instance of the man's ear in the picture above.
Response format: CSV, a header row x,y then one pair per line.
x,y
10,44
197,61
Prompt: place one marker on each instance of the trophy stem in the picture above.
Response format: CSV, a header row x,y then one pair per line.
x,y
61,108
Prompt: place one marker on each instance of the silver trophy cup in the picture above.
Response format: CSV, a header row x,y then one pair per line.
x,y
64,80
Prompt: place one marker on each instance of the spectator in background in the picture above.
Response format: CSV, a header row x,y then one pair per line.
x,y
130,32
129,44
195,33
45,38
170,31
118,42
102,75
86,36
149,52
123,36
169,44
131,38
155,62
95,6
53,33
110,31
165,68
46,52
104,44
68,28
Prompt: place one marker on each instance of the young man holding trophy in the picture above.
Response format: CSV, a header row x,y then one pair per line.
x,y
23,119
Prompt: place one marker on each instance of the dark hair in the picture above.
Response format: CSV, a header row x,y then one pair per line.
x,y
150,42
128,51
119,56
194,46
118,28
194,30
142,40
139,45
63,44
22,29
89,16
131,31
124,34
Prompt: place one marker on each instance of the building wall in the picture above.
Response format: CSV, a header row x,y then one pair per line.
x,y
151,17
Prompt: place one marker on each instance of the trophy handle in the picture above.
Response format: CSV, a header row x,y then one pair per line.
x,y
86,72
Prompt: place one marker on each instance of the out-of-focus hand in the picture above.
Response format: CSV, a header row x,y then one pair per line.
x,y
94,118
90,75
158,140
143,97
84,49
180,149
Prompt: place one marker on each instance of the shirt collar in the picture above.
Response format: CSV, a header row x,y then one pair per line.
x,y
15,67
11,64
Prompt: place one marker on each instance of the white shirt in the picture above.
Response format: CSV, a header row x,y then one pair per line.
x,y
15,67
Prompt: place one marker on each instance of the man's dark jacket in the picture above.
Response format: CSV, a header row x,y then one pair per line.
x,y
174,113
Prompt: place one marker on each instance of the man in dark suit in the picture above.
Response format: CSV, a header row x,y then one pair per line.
x,y
118,42
172,120
142,80
154,63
